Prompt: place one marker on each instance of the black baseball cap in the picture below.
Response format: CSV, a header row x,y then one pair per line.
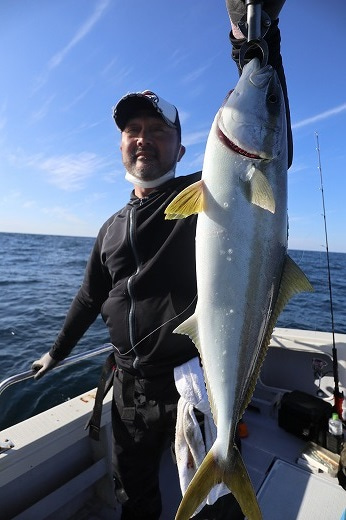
x,y
135,101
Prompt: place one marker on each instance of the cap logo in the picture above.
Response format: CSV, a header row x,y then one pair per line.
x,y
151,95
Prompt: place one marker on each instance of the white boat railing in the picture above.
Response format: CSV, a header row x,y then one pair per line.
x,y
66,362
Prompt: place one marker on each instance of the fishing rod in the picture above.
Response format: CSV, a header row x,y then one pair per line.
x,y
338,395
64,363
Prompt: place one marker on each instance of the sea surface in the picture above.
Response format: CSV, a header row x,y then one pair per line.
x,y
39,276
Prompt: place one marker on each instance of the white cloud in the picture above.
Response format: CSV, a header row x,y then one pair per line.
x,y
195,74
298,167
81,33
60,213
29,204
70,172
195,137
42,111
10,197
197,162
318,117
109,66
3,122
76,99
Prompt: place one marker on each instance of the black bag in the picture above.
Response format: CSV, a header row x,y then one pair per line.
x,y
305,416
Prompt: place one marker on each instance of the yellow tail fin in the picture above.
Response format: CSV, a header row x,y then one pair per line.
x,y
211,473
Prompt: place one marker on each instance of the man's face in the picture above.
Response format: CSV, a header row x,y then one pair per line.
x,y
149,147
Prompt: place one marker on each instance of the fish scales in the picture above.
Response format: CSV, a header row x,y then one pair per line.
x,y
244,275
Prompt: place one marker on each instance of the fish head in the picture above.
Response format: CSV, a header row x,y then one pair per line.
x,y
252,120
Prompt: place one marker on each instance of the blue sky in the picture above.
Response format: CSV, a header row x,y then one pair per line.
x,y
65,63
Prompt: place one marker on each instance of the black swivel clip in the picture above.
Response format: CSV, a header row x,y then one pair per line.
x,y
254,26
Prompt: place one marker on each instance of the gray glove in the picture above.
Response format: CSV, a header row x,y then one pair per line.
x,y
236,9
42,365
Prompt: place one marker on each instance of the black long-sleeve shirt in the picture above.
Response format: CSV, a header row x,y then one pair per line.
x,y
141,277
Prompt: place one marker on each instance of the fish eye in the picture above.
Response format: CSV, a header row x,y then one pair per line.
x,y
272,98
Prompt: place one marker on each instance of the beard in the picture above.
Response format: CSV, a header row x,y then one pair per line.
x,y
146,166
147,171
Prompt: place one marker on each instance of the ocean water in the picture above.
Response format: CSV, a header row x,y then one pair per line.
x,y
39,276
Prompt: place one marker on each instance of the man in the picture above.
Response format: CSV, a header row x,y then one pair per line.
x,y
141,277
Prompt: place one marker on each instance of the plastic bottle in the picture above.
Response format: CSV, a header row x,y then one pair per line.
x,y
335,434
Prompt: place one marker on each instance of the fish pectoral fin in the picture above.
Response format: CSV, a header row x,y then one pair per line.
x,y
258,190
211,473
188,202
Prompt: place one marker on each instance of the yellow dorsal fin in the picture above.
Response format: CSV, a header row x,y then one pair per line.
x,y
188,202
258,190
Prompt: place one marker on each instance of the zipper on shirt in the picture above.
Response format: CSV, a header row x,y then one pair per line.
x,y
130,284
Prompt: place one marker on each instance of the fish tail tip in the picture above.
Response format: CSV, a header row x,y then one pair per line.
x,y
211,473
198,489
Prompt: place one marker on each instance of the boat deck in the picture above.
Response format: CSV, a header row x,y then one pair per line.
x,y
55,471
285,489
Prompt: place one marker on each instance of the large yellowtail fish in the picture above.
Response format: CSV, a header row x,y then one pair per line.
x,y
244,274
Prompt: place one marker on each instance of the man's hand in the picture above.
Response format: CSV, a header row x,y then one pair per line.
x,y
42,365
237,9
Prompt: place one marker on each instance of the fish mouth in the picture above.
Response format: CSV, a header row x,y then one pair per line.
x,y
232,146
